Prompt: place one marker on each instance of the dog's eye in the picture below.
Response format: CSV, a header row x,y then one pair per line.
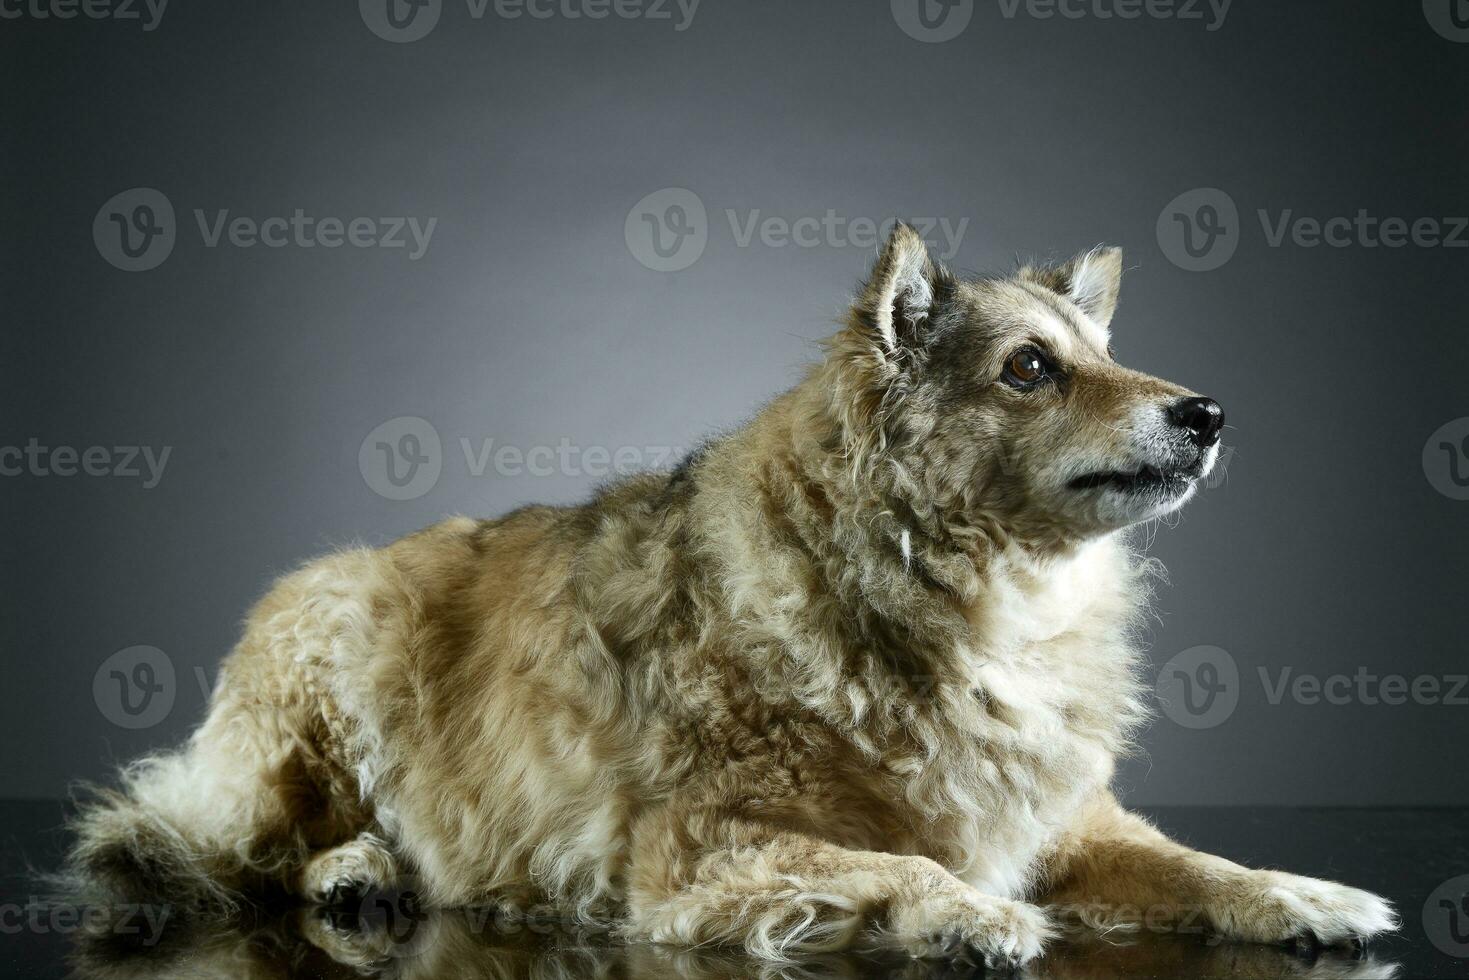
x,y
1025,368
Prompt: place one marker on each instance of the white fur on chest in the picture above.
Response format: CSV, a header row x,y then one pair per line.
x,y
1052,692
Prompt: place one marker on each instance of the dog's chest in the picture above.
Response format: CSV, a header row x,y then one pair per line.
x,y
1034,759
1047,700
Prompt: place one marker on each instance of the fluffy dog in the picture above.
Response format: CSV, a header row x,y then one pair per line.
x,y
856,673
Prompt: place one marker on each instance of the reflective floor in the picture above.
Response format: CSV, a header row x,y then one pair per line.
x,y
1411,856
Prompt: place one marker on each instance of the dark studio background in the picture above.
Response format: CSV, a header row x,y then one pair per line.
x,y
529,319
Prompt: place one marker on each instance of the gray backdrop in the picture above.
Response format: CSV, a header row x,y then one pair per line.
x,y
1335,547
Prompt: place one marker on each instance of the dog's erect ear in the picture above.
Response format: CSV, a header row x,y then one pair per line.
x,y
899,300
1091,281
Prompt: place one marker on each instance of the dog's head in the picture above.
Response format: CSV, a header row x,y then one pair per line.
x,y
998,400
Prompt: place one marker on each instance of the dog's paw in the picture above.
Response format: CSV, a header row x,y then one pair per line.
x,y
346,874
980,928
1274,907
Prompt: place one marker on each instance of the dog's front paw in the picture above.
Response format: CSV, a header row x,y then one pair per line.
x,y
347,874
1274,907
979,927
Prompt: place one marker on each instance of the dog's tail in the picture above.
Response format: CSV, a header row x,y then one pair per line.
x,y
178,834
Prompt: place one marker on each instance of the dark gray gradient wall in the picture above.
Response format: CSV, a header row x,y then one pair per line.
x,y
528,314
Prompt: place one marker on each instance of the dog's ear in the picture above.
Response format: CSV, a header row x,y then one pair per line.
x,y
899,301
1092,281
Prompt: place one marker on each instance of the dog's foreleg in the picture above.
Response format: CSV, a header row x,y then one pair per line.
x,y
1114,869
778,893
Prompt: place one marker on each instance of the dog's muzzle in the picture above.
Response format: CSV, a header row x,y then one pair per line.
x,y
1199,421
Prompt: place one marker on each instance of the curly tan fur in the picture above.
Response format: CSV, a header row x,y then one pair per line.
x,y
854,674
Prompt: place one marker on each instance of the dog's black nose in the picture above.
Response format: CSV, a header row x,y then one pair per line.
x,y
1202,417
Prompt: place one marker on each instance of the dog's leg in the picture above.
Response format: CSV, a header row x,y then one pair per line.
x,y
779,893
354,869
1116,869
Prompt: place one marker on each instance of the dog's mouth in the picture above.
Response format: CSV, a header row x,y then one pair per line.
x,y
1148,480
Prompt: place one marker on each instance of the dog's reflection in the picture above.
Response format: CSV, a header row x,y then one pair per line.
x,y
394,940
